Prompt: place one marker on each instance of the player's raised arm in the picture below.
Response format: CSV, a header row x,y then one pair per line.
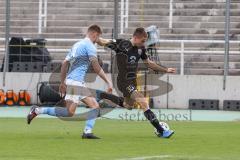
x,y
157,67
103,42
111,44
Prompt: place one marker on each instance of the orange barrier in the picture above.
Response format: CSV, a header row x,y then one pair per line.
x,y
24,98
11,98
2,97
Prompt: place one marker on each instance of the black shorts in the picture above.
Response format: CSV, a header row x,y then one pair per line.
x,y
127,87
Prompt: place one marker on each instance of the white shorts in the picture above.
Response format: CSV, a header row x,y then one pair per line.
x,y
76,91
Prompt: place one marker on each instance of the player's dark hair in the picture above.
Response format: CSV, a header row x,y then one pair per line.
x,y
140,32
94,28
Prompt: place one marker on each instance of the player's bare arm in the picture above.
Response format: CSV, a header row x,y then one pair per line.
x,y
98,69
64,70
159,68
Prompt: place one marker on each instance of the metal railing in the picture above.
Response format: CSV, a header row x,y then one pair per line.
x,y
170,14
182,49
124,15
42,15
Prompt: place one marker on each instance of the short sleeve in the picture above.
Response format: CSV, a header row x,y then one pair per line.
x,y
91,50
69,56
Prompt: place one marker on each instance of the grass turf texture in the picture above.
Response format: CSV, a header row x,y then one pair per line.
x,y
54,139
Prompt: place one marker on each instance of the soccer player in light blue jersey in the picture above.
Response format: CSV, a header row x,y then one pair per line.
x,y
73,72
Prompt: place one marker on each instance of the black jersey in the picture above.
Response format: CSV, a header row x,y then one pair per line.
x,y
127,57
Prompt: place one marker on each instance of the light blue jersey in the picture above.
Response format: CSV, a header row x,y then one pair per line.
x,y
79,57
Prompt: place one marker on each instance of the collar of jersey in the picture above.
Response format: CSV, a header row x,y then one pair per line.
x,y
87,38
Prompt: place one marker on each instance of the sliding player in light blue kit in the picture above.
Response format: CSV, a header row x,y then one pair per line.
x,y
82,54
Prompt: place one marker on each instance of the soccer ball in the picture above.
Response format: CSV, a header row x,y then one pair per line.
x,y
164,125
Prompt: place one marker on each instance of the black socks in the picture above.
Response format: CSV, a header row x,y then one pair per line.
x,y
115,99
153,119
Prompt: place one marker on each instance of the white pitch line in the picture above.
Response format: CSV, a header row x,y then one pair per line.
x,y
147,157
170,156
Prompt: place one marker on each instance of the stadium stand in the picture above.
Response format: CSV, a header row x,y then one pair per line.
x,y
192,20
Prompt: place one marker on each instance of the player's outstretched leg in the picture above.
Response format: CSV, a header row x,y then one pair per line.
x,y
120,101
154,121
115,99
140,99
52,111
32,114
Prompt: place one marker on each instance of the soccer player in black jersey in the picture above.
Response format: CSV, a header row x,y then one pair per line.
x,y
128,53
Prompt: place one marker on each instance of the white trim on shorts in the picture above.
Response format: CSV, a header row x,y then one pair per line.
x,y
74,98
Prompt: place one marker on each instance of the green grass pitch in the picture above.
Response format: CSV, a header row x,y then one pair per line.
x,y
54,139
